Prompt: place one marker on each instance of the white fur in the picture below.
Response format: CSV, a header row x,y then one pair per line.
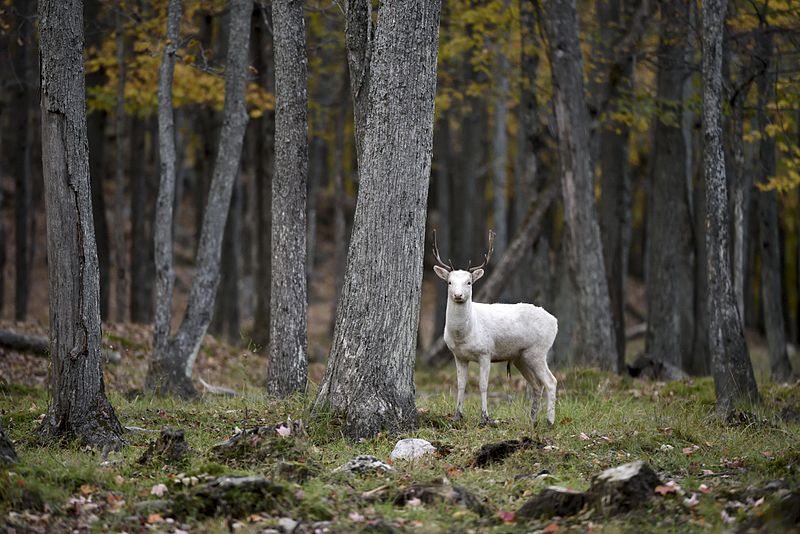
x,y
518,333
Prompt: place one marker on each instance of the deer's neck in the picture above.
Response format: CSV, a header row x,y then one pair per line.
x,y
459,318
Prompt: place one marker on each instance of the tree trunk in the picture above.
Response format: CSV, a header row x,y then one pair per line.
x,y
119,174
165,271
670,272
378,314
360,39
596,340
319,157
288,343
264,146
733,372
173,360
78,406
771,265
23,179
742,183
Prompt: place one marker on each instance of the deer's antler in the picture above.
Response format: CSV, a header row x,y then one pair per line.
x,y
436,255
488,254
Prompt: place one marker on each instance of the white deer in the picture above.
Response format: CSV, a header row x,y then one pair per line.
x,y
521,334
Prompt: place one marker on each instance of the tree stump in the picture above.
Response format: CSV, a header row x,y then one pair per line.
x,y
553,501
621,489
170,447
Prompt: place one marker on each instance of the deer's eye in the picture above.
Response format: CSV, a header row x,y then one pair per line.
x,y
449,283
469,283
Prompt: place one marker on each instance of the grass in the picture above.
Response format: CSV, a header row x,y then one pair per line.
x,y
602,421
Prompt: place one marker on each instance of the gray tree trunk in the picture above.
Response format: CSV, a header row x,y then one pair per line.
x,y
359,38
733,373
596,339
288,340
165,271
376,322
78,406
771,264
120,285
742,184
670,281
173,359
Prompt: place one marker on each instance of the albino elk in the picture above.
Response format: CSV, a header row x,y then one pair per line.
x,y
521,334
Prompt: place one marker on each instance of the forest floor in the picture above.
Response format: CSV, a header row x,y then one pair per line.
x,y
714,477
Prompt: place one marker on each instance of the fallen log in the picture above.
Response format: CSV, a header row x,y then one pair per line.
x,y
40,345
524,239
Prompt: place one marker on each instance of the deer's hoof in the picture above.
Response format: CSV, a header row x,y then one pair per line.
x,y
457,417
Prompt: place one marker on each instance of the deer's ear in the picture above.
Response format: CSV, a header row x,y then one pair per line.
x,y
476,274
441,272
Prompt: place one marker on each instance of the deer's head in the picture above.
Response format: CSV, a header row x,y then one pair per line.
x,y
459,281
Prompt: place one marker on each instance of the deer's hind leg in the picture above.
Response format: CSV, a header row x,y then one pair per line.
x,y
536,386
537,361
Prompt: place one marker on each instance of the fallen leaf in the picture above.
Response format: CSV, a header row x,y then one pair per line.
x,y
692,501
768,455
158,490
355,517
584,437
283,430
507,517
704,489
552,527
87,489
663,490
707,472
154,518
413,502
690,450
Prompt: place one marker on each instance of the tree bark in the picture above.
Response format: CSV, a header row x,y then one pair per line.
x,y
378,314
288,345
173,360
771,264
733,373
670,282
359,38
78,406
227,317
596,339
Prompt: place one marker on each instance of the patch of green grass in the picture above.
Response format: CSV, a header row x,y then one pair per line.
x,y
602,421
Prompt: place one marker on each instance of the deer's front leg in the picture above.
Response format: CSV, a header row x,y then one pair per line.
x,y
485,363
461,374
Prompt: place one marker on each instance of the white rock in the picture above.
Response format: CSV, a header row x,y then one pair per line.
x,y
363,464
411,448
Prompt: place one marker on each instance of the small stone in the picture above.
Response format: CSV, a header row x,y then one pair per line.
x,y
411,448
287,524
363,464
